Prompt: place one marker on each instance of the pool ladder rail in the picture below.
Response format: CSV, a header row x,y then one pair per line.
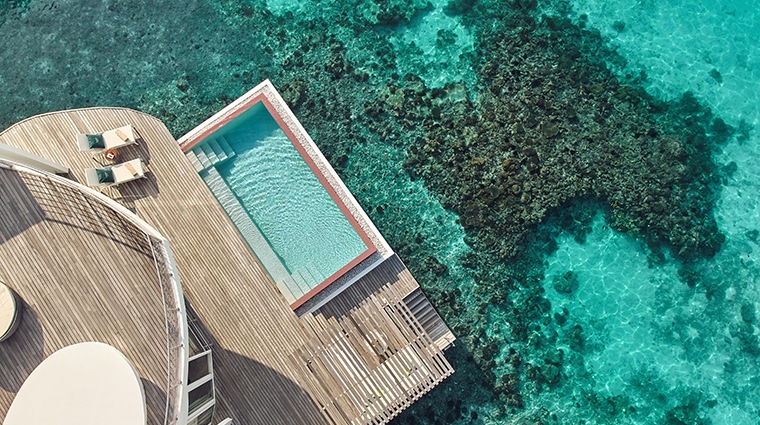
x,y
205,155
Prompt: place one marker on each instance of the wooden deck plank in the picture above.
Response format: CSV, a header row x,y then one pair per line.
x,y
360,343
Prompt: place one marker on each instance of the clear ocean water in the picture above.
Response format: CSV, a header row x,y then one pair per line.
x,y
285,199
625,332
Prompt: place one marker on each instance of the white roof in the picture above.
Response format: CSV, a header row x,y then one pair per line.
x,y
87,383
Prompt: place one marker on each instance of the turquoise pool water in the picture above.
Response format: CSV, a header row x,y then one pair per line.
x,y
637,335
285,199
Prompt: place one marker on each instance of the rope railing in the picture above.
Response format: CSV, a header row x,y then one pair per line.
x,y
171,291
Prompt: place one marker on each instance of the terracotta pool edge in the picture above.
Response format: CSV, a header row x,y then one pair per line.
x,y
317,172
335,276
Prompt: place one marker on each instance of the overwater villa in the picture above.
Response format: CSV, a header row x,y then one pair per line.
x,y
225,277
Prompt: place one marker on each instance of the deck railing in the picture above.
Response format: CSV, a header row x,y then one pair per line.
x,y
176,327
171,290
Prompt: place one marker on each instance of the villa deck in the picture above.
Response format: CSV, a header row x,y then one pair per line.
x,y
370,358
257,337
84,275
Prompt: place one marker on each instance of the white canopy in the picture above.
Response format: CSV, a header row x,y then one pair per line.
x,y
87,383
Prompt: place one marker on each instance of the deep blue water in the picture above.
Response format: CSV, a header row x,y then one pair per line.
x,y
604,324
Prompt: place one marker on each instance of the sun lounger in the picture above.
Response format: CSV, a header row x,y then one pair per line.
x,y
111,139
115,174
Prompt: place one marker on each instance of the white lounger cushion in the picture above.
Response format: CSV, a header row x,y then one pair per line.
x,y
91,175
83,144
110,139
121,173
113,141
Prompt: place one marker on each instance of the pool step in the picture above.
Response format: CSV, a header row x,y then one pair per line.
x,y
210,154
316,275
291,286
310,274
221,149
206,155
225,147
250,232
202,161
194,160
309,278
301,282
218,152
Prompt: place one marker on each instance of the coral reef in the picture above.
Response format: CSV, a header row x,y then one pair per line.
x,y
548,135
550,125
393,12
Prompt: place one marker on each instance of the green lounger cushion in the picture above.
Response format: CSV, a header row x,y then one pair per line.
x,y
96,141
104,175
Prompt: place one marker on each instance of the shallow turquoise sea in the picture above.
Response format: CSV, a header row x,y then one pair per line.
x,y
625,332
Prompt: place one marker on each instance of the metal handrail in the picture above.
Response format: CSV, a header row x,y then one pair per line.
x,y
195,330
117,207
169,345
173,309
175,317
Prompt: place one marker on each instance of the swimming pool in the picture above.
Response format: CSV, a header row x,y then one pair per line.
x,y
282,205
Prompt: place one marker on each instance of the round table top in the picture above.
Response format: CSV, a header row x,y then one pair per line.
x,y
87,383
7,308
111,155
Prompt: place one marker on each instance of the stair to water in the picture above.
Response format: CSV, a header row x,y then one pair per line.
x,y
292,287
300,281
315,274
309,277
429,319
206,155
218,151
225,147
194,160
210,154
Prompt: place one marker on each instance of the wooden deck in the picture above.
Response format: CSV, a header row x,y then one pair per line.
x,y
253,328
370,358
84,275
